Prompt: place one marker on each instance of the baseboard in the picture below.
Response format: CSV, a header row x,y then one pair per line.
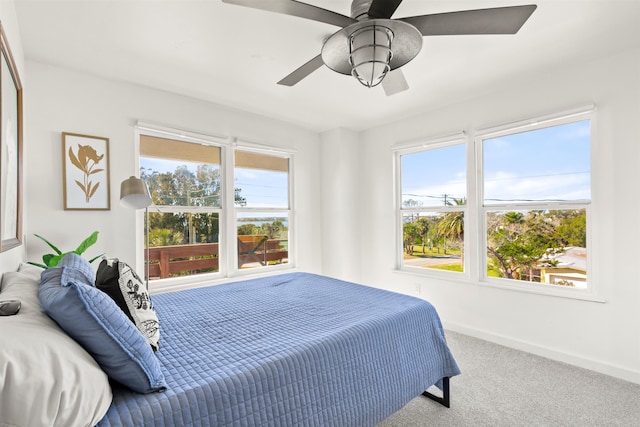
x,y
571,359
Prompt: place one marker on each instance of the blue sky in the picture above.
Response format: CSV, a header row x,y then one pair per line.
x,y
545,164
428,175
263,188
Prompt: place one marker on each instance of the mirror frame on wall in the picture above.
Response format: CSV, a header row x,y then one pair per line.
x,y
11,135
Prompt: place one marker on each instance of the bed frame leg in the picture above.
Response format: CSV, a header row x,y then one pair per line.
x,y
445,399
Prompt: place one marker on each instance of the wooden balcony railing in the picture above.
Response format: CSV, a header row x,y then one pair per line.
x,y
182,260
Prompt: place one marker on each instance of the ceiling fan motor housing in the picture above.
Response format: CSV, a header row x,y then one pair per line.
x,y
360,9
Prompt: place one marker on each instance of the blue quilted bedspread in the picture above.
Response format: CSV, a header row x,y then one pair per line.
x,y
288,350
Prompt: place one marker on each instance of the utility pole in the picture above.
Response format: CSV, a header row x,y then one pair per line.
x,y
191,231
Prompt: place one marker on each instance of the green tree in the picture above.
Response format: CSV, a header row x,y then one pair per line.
x,y
164,237
423,226
410,233
451,224
411,203
247,230
518,242
183,187
573,229
274,229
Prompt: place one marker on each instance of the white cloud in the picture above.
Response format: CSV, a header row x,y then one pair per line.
x,y
507,186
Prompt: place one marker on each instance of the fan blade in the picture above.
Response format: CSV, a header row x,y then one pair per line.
x,y
302,72
383,9
394,82
296,8
499,20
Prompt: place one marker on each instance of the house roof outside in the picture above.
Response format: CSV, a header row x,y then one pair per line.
x,y
573,257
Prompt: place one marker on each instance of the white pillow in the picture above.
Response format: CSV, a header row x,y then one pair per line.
x,y
46,378
30,270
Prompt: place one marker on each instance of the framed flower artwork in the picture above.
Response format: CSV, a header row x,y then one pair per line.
x,y
85,172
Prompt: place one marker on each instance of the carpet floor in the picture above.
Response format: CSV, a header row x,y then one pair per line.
x,y
500,386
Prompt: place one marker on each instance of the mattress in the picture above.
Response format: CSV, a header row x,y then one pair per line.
x,y
287,350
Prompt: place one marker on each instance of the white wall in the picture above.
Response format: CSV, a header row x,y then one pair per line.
x,y
344,184
10,259
59,100
601,336
340,174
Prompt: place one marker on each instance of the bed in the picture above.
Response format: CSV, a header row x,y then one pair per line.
x,y
291,349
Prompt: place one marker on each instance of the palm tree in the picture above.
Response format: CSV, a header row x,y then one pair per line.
x,y
451,224
422,225
165,237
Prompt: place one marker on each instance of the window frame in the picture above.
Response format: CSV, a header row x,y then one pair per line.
x,y
475,213
227,211
567,117
418,147
252,148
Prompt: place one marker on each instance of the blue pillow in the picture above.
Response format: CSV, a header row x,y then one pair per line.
x,y
94,320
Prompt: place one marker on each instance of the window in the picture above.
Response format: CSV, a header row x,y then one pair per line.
x,y
262,209
211,218
185,182
536,186
508,207
433,200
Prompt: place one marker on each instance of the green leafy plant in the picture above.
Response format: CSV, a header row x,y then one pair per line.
x,y
51,260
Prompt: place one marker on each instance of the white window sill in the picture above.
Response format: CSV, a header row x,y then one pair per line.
x,y
198,281
539,289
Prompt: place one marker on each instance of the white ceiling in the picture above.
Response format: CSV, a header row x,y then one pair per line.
x,y
234,55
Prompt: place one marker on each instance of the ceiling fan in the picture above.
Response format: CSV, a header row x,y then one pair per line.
x,y
372,47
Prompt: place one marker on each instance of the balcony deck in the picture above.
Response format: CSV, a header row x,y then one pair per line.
x,y
182,260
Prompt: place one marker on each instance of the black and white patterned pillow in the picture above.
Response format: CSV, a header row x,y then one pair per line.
x,y
118,280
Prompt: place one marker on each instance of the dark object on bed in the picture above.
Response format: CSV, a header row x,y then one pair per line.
x,y
293,349
10,307
118,280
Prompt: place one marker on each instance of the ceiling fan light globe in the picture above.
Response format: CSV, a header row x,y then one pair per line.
x,y
370,53
370,74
